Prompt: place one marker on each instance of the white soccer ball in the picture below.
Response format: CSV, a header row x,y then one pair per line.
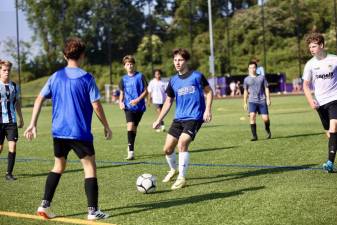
x,y
146,183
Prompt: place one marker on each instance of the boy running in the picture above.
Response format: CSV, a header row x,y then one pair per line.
x,y
256,93
321,72
10,106
133,90
75,96
187,87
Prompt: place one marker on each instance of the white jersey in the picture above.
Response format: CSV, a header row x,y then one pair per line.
x,y
323,75
157,89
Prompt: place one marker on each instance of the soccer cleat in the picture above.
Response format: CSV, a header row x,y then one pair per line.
x,y
328,166
253,139
162,128
97,215
180,183
170,175
268,135
45,213
131,155
10,177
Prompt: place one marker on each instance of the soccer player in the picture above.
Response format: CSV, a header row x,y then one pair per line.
x,y
75,96
10,106
187,87
133,90
321,72
256,93
157,94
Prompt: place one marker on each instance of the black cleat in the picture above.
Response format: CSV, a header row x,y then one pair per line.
x,y
253,139
269,135
10,177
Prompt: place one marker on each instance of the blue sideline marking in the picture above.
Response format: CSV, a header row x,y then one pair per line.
x,y
191,164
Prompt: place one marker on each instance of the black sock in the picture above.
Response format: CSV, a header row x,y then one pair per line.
x,y
332,147
267,126
11,162
91,190
51,184
131,140
253,128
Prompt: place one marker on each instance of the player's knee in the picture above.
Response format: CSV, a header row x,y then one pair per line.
x,y
168,151
182,146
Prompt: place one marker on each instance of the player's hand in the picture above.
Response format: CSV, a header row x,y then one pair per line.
x,y
121,105
134,102
268,102
107,133
156,124
30,132
207,116
245,107
21,123
314,104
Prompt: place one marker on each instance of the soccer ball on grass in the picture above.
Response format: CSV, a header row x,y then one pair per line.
x,y
146,183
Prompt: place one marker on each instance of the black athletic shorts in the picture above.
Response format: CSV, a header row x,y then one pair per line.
x,y
189,127
134,117
327,112
82,149
158,106
10,131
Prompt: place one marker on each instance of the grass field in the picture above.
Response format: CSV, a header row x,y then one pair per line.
x,y
231,180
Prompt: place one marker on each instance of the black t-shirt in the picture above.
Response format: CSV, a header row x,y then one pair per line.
x,y
170,91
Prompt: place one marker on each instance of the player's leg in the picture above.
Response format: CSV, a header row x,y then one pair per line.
x,y
263,109
332,110
11,131
170,155
131,132
252,109
2,137
61,150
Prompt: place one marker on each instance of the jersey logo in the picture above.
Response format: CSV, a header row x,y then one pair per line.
x,y
325,76
186,90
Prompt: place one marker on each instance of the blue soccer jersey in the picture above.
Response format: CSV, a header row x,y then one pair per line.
x,y
9,94
188,91
72,91
133,86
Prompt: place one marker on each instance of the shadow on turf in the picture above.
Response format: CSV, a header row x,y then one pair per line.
x,y
241,175
142,207
299,135
69,171
211,149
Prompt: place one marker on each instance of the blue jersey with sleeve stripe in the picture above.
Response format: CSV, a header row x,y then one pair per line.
x,y
190,100
9,95
72,90
133,86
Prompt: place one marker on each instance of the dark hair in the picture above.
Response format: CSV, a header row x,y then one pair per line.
x,y
5,63
129,58
73,48
252,62
183,52
315,38
157,70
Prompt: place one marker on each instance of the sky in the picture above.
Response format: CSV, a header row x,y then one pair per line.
x,y
8,25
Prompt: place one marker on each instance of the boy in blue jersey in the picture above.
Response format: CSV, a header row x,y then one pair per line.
x,y
256,93
133,90
187,87
75,96
10,106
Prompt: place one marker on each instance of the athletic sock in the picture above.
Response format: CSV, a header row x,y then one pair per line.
x,y
184,158
51,184
91,190
171,160
131,140
267,126
11,162
332,147
253,129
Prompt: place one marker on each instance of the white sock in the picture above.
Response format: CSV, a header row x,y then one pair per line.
x,y
184,158
171,160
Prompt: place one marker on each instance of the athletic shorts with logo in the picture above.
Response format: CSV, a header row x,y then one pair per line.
x,y
133,116
62,147
10,131
327,112
190,127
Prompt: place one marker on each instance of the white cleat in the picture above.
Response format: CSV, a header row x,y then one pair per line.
x,y
45,212
131,155
180,183
98,215
170,175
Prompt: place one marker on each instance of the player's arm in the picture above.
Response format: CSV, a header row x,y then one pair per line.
x,y
266,89
19,112
121,95
209,99
166,108
245,99
31,130
97,106
307,92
